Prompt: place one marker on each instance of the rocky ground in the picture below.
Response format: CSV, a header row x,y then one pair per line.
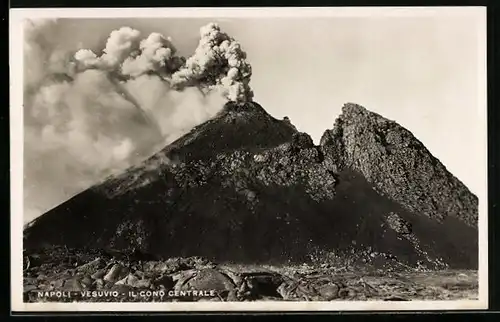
x,y
61,274
245,187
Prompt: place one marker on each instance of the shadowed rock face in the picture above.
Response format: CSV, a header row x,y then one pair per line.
x,y
245,187
398,164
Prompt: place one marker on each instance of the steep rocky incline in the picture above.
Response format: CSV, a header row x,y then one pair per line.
x,y
247,188
237,127
398,164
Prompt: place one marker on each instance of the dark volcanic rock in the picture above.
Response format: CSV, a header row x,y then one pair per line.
x,y
210,279
398,164
236,127
245,187
91,267
242,283
398,224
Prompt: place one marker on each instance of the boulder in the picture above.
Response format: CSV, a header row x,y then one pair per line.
x,y
210,279
91,267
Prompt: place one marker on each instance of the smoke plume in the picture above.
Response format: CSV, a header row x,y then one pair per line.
x,y
157,54
218,61
120,44
89,114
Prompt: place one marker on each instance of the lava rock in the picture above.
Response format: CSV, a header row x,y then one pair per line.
x,y
398,224
209,279
91,267
113,273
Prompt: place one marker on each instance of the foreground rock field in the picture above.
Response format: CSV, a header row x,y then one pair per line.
x,y
68,275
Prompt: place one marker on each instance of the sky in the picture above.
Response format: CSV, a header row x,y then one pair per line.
x,y
425,72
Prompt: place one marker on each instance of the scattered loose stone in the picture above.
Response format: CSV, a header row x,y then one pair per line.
x,y
72,285
87,281
123,281
28,288
328,292
166,281
144,283
113,273
99,274
91,267
57,284
132,280
99,283
41,277
304,283
210,279
182,277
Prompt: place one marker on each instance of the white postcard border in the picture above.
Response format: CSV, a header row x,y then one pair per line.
x,y
16,130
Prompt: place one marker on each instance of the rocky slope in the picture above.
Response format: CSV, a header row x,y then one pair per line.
x,y
247,188
398,164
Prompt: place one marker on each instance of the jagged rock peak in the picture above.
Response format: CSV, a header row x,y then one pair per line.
x,y
398,164
353,108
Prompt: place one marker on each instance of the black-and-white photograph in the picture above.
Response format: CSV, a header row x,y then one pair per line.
x,y
332,159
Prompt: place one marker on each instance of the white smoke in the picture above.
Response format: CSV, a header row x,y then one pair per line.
x,y
218,61
120,44
39,63
91,114
157,54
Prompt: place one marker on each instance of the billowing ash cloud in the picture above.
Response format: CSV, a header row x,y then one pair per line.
x,y
89,114
218,61
120,44
157,54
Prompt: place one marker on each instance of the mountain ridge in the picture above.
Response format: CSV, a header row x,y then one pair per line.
x,y
399,165
252,188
